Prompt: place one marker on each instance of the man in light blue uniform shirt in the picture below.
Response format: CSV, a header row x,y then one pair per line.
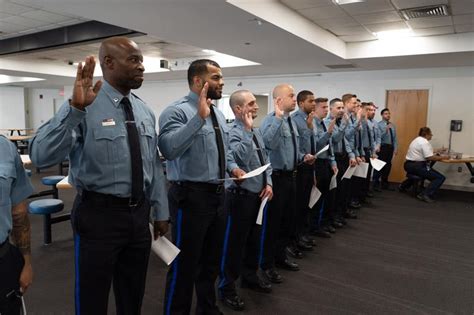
x,y
388,148
16,273
109,135
281,141
304,121
242,239
194,139
322,221
369,144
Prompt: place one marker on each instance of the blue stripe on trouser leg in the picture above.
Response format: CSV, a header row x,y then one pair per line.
x,y
321,211
179,219
224,251
77,244
262,235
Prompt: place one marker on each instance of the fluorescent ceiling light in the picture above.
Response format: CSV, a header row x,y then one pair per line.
x,y
4,79
395,34
209,51
341,2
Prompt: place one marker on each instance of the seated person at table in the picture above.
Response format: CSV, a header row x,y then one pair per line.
x,y
418,162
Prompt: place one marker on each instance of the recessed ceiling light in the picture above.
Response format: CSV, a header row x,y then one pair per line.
x,y
341,2
209,51
394,34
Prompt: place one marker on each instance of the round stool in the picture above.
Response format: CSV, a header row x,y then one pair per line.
x,y
52,181
46,207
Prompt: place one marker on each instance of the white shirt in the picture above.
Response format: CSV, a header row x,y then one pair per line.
x,y
420,148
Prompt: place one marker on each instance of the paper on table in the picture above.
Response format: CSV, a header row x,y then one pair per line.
x,y
349,172
322,150
333,183
162,247
263,205
361,170
250,174
25,159
377,164
314,197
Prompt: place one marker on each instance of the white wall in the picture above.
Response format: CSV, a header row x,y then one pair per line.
x,y
451,97
41,105
12,107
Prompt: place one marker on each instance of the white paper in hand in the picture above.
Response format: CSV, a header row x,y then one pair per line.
x,y
377,164
348,174
333,183
314,197
361,170
250,174
263,205
164,249
322,150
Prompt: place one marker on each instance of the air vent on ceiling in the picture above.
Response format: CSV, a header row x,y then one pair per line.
x,y
428,11
346,66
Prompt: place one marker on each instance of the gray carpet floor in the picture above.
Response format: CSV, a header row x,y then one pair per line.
x,y
402,256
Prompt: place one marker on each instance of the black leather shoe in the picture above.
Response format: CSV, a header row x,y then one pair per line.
x,y
387,187
321,233
304,246
377,188
259,285
370,194
329,229
294,252
341,220
351,214
402,189
288,265
309,240
337,225
354,205
425,198
272,275
233,301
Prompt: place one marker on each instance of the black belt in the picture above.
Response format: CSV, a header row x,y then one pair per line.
x,y
4,247
416,162
340,155
386,145
208,187
111,200
241,191
284,173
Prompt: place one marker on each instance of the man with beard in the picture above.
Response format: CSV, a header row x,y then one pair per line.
x,y
194,139
281,140
109,135
344,157
369,144
388,148
243,202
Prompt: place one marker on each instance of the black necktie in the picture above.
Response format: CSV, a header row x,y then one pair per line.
x,y
293,139
220,143
338,123
135,151
260,157
368,134
391,133
329,140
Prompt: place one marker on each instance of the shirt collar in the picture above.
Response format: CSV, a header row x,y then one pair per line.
x,y
114,95
302,112
193,96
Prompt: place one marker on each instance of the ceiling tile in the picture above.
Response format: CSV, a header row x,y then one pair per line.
x,y
387,26
11,28
430,22
369,6
405,4
46,16
326,12
464,19
462,6
12,8
348,30
4,15
305,4
434,31
70,22
358,38
464,28
379,17
23,21
344,21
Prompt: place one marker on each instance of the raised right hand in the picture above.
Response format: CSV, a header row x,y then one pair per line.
x,y
204,103
83,93
278,111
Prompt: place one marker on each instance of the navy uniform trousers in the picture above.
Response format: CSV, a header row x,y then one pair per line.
x,y
198,218
242,239
112,245
11,265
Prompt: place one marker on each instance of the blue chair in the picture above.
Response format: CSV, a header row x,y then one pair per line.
x,y
46,207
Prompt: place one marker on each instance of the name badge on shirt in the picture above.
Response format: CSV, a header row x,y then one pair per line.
x,y
108,122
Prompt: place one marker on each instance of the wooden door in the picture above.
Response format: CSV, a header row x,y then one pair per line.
x,y
409,109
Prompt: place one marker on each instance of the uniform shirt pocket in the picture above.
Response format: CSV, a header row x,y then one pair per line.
x,y
7,176
111,143
147,139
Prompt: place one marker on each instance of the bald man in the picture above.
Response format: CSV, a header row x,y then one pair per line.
x,y
110,138
281,139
